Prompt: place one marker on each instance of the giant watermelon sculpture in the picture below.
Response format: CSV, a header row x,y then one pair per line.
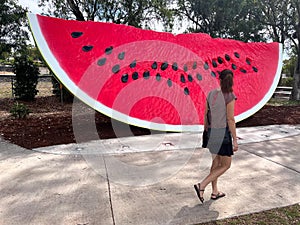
x,y
154,79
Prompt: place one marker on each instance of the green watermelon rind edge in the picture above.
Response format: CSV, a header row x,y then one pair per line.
x,y
72,87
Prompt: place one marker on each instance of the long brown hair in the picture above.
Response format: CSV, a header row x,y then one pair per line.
x,y
226,81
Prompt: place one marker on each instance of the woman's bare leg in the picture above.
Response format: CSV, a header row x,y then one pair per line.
x,y
224,165
215,163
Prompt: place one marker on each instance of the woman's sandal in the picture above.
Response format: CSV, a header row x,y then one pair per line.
x,y
217,196
198,190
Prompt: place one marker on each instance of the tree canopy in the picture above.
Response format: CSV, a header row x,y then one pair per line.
x,y
130,12
220,18
281,18
12,22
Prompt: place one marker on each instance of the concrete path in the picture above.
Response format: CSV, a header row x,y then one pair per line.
x,y
117,183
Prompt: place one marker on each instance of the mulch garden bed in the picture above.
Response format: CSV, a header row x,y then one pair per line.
x,y
50,122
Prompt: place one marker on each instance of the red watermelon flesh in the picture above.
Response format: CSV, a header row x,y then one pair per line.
x,y
154,79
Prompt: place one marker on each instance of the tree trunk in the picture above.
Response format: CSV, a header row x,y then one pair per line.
x,y
76,11
296,87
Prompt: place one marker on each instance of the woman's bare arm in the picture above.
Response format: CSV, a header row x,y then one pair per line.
x,y
205,117
231,123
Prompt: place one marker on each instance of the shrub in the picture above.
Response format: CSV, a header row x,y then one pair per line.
x,y
26,78
19,111
288,82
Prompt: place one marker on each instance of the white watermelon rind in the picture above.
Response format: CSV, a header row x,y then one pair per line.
x,y
73,88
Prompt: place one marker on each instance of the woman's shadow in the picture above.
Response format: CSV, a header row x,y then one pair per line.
x,y
196,214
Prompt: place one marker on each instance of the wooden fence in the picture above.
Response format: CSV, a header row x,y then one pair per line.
x,y
282,92
7,81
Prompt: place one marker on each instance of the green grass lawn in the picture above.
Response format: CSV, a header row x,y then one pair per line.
x,y
282,102
279,216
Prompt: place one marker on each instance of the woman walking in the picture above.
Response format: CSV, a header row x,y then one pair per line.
x,y
219,122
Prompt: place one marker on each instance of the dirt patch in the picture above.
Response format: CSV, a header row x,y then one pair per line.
x,y
50,123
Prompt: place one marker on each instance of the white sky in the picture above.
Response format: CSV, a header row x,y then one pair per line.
x,y
32,5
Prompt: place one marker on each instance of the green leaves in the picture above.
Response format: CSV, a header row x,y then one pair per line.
x,y
226,19
19,111
12,23
133,12
26,77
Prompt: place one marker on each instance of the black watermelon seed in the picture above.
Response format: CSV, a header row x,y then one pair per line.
x,y
115,69
255,69
186,91
185,68
243,70
206,67
237,55
135,75
154,66
213,74
121,55
182,78
87,48
233,66
190,78
194,65
248,61
220,60
133,64
76,34
169,82
109,50
101,62
214,63
164,66
227,57
199,76
146,74
124,78
158,77
175,66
